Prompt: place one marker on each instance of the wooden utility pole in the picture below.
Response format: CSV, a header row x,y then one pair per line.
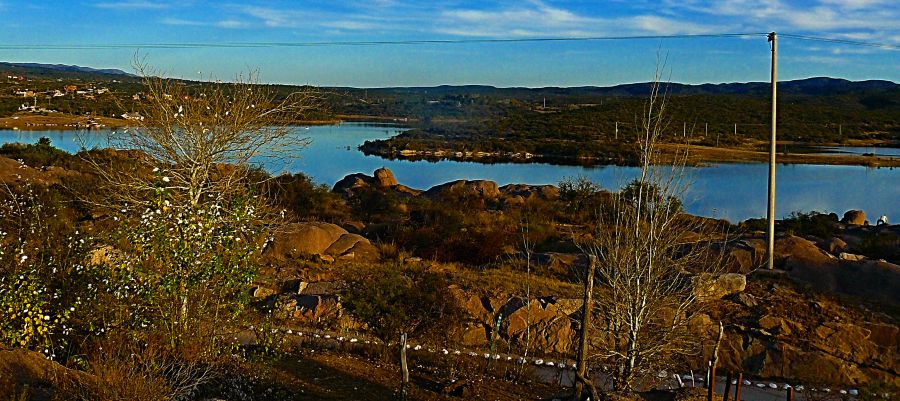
x,y
404,370
770,249
587,304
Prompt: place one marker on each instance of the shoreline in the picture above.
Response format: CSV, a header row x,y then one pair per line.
x,y
696,156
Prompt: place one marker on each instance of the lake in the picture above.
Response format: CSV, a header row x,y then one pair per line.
x,y
731,191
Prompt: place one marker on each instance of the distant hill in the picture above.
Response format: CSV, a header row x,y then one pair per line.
x,y
810,86
62,71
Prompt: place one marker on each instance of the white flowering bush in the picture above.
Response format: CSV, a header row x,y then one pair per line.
x,y
44,280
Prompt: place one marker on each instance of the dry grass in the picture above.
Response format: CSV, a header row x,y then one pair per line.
x,y
509,279
698,154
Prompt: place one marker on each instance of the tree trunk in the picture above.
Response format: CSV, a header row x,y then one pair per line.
x,y
587,305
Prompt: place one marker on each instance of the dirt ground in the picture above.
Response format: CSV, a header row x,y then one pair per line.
x,y
707,154
326,375
56,121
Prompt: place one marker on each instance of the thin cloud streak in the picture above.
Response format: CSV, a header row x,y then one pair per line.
x,y
133,5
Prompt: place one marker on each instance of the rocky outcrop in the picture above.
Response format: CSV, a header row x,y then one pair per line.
x,y
855,217
317,238
545,323
548,324
382,179
743,256
14,171
526,192
711,287
464,189
557,261
20,368
851,275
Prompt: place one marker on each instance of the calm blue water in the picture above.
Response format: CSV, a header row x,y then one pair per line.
x,y
859,150
732,191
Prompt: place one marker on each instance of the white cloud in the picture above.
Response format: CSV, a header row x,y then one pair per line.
x,y
830,60
133,5
352,25
230,24
669,26
870,20
275,18
180,22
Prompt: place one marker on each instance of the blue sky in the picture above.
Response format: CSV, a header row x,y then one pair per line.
x,y
506,64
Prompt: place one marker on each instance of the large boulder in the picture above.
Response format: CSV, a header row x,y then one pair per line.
x,y
870,279
845,341
381,179
470,303
32,371
319,239
792,252
307,238
549,192
317,308
743,256
855,217
550,327
385,178
710,287
464,189
352,182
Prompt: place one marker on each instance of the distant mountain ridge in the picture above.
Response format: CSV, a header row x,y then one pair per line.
x,y
814,86
58,69
807,86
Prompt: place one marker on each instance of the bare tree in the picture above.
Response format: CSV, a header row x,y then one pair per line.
x,y
646,250
190,221
206,135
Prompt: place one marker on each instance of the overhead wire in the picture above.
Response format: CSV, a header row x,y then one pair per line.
x,y
101,46
841,41
413,42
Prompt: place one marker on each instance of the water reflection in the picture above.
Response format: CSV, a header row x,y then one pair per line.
x,y
732,191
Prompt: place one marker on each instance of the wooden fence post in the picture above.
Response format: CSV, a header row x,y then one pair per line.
x,y
727,386
586,306
790,394
404,370
737,389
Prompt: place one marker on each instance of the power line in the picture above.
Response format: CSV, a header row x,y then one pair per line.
x,y
414,42
841,41
111,46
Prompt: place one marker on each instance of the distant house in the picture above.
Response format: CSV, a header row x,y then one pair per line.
x,y
133,116
71,88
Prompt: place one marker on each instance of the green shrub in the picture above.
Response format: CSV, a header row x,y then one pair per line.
x,y
813,223
306,199
391,301
46,282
